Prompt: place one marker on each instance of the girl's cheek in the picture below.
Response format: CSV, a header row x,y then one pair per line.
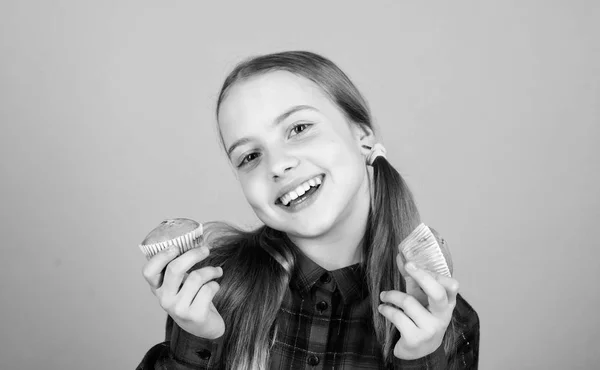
x,y
246,185
254,190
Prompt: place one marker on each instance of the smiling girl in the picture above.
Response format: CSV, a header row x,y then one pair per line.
x,y
321,284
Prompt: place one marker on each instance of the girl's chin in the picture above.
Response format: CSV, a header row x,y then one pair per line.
x,y
309,230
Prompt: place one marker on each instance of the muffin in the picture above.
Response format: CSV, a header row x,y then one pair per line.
x,y
182,232
428,250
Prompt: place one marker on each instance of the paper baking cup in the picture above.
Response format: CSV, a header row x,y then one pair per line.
x,y
184,242
422,248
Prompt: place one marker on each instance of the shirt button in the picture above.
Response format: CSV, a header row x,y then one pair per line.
x,y
325,278
313,360
322,306
204,354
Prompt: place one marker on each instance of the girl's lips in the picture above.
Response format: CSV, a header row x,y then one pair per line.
x,y
294,186
304,203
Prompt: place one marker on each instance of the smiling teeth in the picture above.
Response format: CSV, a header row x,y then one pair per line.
x,y
300,190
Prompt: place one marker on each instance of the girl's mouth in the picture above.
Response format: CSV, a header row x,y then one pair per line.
x,y
302,196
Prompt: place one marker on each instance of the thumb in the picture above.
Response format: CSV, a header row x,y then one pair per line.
x,y
203,299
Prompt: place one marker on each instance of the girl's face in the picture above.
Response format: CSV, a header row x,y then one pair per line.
x,y
297,157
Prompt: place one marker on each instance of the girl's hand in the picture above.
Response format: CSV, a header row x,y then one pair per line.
x,y
421,328
187,298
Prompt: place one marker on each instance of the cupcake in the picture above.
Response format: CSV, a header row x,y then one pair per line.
x,y
182,232
428,250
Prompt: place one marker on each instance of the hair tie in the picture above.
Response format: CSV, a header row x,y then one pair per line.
x,y
376,151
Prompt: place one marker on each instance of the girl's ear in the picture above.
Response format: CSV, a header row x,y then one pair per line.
x,y
365,138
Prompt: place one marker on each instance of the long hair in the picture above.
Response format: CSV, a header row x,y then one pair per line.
x,y
260,263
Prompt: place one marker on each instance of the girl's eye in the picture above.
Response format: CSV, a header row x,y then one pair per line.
x,y
299,128
248,158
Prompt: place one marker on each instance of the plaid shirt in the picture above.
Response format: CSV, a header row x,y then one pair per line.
x,y
324,323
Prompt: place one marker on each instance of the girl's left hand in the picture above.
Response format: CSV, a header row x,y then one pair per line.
x,y
421,328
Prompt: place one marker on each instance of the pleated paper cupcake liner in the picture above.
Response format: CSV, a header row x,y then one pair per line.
x,y
422,248
184,242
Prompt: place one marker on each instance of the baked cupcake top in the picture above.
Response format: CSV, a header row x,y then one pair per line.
x,y
183,232
170,229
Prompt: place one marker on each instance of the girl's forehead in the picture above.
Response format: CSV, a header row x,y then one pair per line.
x,y
258,100
271,90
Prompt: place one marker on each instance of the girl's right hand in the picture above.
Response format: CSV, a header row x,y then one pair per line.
x,y
187,298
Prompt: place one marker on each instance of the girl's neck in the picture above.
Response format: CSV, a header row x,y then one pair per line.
x,y
342,245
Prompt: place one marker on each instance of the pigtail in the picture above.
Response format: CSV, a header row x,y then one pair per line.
x,y
393,216
257,269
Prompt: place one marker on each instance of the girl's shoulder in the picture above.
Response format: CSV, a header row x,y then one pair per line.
x,y
466,326
465,313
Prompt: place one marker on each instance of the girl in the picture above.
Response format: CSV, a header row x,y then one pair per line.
x,y
321,284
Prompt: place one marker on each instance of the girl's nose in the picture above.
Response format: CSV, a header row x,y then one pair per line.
x,y
282,163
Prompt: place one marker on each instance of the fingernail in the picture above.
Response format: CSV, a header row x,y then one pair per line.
x,y
379,307
220,270
204,250
411,266
382,295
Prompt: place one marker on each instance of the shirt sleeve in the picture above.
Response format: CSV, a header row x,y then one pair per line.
x,y
183,351
465,353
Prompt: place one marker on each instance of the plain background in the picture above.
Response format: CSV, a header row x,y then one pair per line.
x,y
490,110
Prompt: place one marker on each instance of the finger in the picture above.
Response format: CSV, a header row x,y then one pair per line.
x,y
411,307
436,293
195,281
402,322
411,285
153,269
451,285
178,268
203,299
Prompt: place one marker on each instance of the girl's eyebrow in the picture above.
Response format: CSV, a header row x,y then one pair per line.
x,y
277,121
